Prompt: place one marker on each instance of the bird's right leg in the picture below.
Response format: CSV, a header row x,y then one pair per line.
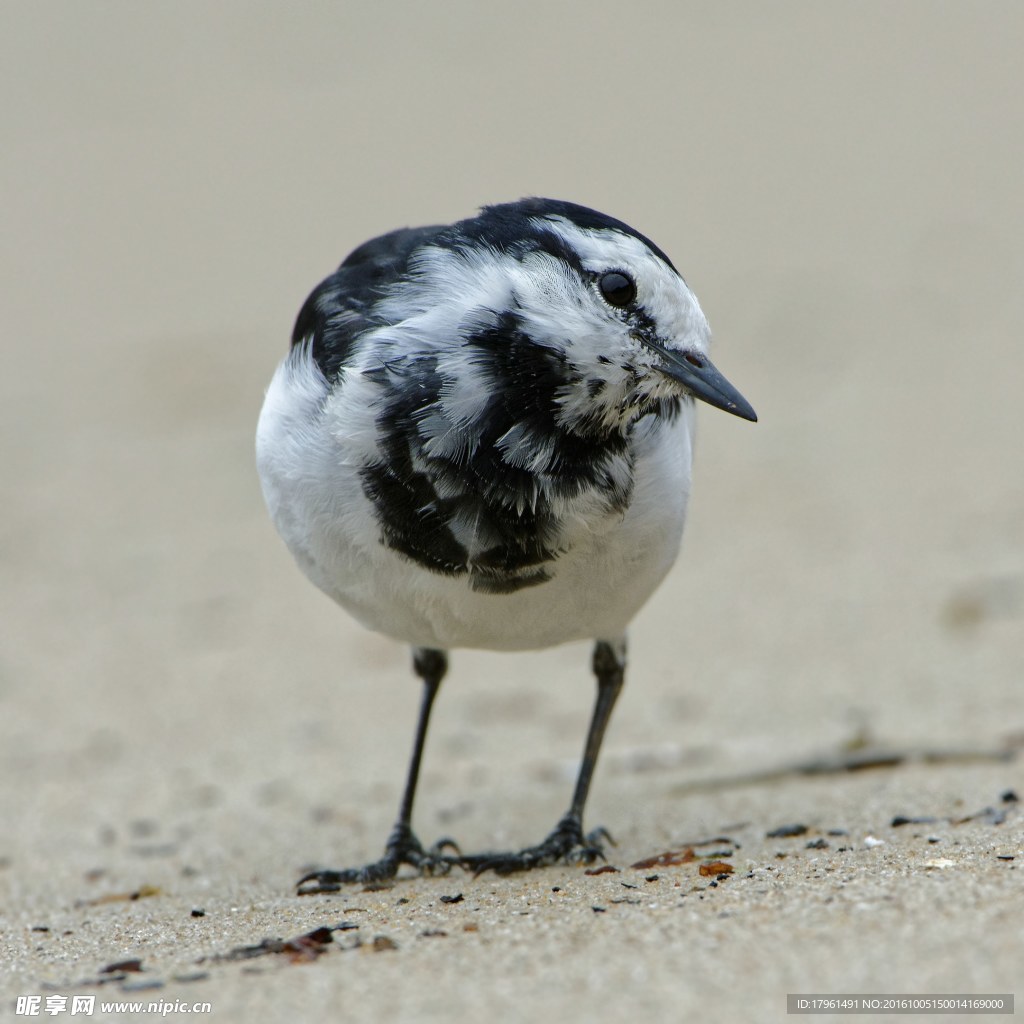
x,y
568,842
402,846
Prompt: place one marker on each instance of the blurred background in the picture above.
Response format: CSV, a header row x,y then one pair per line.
x,y
841,186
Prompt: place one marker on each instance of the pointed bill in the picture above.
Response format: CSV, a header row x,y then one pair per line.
x,y
702,379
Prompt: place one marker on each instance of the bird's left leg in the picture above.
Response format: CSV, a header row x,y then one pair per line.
x,y
568,842
402,846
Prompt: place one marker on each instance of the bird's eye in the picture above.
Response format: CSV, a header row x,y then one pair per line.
x,y
617,288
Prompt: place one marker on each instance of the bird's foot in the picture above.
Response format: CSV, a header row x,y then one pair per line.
x,y
402,848
566,844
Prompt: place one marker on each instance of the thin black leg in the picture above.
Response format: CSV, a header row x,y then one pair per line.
x,y
610,669
402,846
430,666
567,842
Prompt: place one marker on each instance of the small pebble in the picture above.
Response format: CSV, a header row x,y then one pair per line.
x,y
787,832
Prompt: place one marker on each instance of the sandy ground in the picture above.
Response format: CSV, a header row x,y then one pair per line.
x,y
185,720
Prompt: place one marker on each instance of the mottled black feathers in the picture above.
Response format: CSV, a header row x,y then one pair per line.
x,y
486,501
505,505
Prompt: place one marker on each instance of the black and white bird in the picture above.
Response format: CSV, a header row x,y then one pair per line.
x,y
481,437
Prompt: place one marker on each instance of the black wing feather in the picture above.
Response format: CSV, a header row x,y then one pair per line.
x,y
340,308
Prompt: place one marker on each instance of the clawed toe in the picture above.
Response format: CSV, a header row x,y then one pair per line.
x,y
567,845
403,848
332,881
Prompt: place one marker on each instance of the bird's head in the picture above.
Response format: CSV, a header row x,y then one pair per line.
x,y
603,300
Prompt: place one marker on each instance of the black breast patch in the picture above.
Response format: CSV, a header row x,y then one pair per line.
x,y
419,496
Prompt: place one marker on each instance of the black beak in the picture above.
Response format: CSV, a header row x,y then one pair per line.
x,y
699,376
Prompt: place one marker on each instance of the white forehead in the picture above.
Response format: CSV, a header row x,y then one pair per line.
x,y
603,248
661,291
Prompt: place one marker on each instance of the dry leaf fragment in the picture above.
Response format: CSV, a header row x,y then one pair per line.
x,y
670,858
301,949
309,946
143,892
716,867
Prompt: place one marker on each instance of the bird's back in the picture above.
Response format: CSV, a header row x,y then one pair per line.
x,y
340,308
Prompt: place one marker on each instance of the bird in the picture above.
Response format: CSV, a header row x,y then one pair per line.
x,y
481,437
